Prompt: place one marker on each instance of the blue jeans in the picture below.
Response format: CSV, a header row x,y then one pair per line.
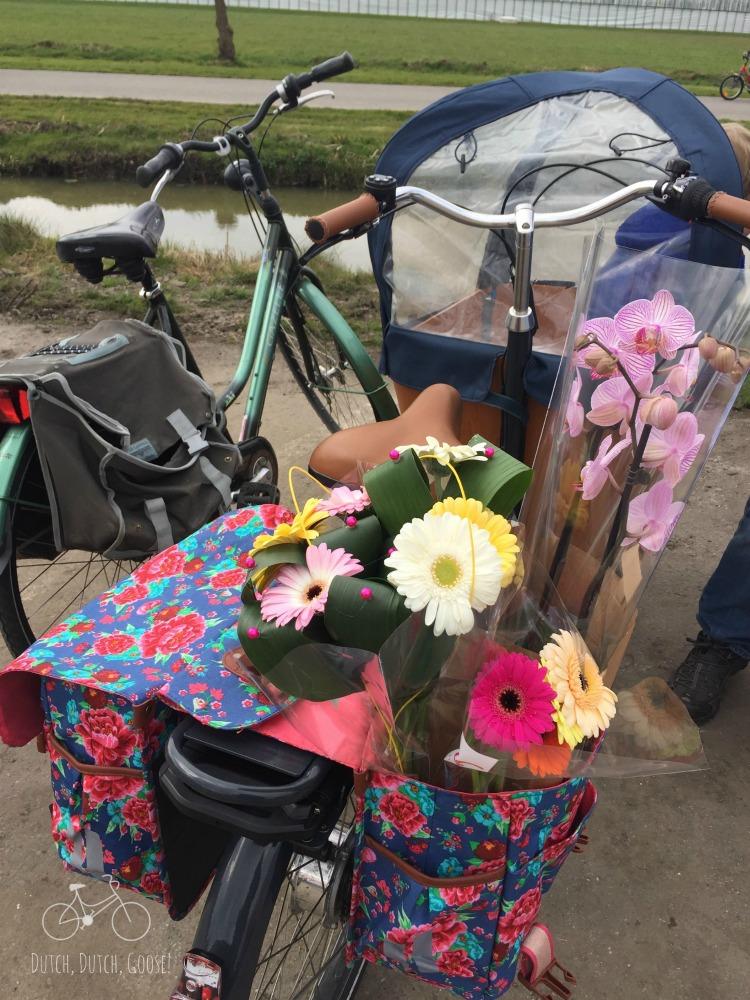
x,y
724,607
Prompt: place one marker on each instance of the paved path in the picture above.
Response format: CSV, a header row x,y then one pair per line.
x,y
226,90
207,89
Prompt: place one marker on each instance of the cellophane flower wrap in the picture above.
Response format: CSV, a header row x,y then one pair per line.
x,y
656,355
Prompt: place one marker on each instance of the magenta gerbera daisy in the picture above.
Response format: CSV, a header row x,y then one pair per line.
x,y
511,703
300,592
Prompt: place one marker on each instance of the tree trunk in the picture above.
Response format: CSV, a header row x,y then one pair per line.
x,y
226,35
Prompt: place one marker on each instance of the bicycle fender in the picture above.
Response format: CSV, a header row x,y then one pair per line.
x,y
15,441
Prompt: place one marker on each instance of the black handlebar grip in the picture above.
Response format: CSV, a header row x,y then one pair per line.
x,y
342,63
169,157
689,201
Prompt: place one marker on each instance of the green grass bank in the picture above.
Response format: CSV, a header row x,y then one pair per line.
x,y
107,139
209,292
84,35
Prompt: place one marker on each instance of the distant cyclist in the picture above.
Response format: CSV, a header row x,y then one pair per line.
x,y
732,86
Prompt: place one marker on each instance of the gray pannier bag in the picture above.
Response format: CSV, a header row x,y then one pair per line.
x,y
132,447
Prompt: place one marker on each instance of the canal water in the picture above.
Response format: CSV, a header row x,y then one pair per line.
x,y
201,217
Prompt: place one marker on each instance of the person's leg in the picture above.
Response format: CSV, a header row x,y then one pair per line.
x,y
723,645
724,607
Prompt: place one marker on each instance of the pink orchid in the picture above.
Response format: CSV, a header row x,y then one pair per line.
x,y
612,402
606,332
652,517
682,375
654,326
675,449
595,473
343,500
574,413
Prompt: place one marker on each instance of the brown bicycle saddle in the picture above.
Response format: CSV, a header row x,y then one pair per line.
x,y
346,455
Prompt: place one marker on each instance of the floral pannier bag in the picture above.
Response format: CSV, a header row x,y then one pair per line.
x,y
102,691
448,884
102,751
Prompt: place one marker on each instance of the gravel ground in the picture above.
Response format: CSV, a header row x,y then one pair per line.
x,y
655,907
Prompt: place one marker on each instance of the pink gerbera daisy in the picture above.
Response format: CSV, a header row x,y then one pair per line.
x,y
300,592
511,704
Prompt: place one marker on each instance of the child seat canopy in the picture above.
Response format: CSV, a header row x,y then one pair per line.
x,y
444,288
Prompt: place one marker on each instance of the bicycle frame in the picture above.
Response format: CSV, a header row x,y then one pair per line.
x,y
278,277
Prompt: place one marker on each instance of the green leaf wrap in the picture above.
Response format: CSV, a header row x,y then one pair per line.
x,y
399,491
499,483
353,621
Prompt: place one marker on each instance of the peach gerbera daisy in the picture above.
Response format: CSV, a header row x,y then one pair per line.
x,y
584,701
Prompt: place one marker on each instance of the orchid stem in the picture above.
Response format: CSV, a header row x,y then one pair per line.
x,y
616,530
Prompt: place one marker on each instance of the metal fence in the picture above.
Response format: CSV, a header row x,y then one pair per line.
x,y
692,15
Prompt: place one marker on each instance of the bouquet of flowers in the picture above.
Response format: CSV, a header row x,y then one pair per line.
x,y
653,365
411,588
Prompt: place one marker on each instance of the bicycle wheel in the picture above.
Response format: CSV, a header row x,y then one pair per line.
x,y
60,921
324,372
302,956
40,585
131,921
731,87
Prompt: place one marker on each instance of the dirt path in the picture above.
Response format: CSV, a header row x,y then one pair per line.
x,y
655,908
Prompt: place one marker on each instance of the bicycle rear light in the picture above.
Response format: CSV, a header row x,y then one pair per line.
x,y
14,406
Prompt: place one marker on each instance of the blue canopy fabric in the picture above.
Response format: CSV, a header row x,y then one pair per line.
x,y
419,359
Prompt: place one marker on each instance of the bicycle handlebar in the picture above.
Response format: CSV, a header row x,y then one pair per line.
x,y
689,197
350,215
172,154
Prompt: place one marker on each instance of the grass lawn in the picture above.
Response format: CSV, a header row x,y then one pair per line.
x,y
120,37
107,139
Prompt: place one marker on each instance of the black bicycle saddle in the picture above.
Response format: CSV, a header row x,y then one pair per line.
x,y
133,237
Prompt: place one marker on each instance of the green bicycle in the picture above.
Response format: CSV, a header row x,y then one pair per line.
x,y
290,312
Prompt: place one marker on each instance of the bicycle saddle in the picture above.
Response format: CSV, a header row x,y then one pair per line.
x,y
133,237
75,886
346,455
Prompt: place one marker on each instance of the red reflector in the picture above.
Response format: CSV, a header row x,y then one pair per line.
x,y
14,406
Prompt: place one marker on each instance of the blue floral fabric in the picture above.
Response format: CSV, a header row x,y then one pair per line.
x,y
447,884
111,677
164,631
104,819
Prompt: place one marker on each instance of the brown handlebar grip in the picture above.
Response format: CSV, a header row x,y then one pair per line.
x,y
729,209
336,220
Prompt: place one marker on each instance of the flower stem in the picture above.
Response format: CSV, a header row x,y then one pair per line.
x,y
617,524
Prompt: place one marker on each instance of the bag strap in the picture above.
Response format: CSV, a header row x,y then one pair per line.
x,y
429,880
156,512
188,432
90,769
220,482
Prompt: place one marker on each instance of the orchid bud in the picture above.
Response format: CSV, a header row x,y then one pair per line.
x,y
740,369
708,347
600,361
724,360
581,341
659,411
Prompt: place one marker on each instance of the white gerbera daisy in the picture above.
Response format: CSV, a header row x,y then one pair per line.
x,y
432,569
